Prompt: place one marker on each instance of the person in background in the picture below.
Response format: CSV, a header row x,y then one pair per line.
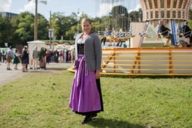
x,y
103,40
86,96
1,56
42,58
4,56
25,59
165,32
16,59
9,57
35,58
187,32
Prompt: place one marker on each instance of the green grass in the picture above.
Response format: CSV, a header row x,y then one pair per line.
x,y
40,100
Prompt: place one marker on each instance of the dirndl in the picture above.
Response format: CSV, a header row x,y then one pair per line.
x,y
16,60
85,96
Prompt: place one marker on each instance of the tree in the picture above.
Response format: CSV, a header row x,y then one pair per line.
x,y
5,31
190,14
66,26
42,27
100,24
24,25
71,32
24,29
135,16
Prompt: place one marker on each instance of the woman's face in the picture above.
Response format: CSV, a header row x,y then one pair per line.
x,y
86,27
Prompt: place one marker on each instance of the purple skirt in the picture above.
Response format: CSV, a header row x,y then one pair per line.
x,y
84,96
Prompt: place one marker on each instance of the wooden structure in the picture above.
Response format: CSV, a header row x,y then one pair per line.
x,y
173,13
165,9
147,62
137,61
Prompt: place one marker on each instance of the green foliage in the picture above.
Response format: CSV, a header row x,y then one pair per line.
x,y
42,28
20,29
134,16
71,32
41,100
5,31
42,53
100,24
62,25
25,27
190,23
190,14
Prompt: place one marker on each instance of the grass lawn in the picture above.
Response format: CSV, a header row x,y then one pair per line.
x,y
40,100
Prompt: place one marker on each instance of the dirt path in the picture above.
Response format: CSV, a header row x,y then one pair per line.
x,y
10,75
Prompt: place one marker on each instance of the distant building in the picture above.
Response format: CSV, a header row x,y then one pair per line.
x,y
8,14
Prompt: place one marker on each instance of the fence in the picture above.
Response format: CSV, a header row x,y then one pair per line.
x,y
147,61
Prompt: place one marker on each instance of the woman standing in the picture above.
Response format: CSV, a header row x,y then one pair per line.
x,y
25,59
16,59
86,97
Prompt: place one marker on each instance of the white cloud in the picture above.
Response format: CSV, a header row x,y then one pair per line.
x,y
138,6
5,5
104,9
29,7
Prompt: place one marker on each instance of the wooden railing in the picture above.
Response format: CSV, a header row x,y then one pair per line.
x,y
147,61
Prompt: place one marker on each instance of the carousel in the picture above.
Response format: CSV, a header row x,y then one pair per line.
x,y
142,59
121,29
171,14
134,58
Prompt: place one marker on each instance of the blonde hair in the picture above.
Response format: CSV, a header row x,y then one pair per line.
x,y
86,20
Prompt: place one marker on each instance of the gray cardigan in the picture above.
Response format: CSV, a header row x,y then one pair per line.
x,y
92,51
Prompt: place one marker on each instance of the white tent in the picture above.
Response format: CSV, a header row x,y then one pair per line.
x,y
33,44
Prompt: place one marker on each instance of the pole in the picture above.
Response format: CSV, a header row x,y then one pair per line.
x,y
50,23
35,21
50,32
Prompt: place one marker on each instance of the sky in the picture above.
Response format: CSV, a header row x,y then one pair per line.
x,y
90,7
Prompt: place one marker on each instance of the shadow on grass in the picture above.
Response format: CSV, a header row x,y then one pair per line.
x,y
111,123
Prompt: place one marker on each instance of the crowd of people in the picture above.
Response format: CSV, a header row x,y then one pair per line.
x,y
11,56
40,57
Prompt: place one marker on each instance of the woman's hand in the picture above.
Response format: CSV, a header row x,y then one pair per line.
x,y
97,74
